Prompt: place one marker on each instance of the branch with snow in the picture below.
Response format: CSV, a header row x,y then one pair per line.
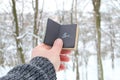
x,y
22,36
109,36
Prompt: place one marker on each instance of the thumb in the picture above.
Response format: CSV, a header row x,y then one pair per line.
x,y
57,46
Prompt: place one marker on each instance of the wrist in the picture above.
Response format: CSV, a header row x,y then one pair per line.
x,y
45,65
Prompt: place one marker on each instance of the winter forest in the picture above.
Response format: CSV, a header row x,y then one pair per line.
x,y
23,25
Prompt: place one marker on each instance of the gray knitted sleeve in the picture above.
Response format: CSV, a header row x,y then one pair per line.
x,y
39,68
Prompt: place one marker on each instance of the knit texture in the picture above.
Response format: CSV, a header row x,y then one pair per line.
x,y
39,68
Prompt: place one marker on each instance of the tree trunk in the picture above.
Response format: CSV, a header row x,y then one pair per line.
x,y
71,21
71,13
96,4
40,21
76,12
76,52
2,45
112,46
19,47
1,58
35,27
77,65
63,14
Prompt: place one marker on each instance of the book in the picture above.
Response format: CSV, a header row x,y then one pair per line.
x,y
68,33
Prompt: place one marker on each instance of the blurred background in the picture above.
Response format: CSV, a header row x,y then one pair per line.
x,y
23,24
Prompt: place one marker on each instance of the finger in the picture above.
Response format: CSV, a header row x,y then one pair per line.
x,y
65,52
64,58
40,45
57,46
62,67
46,46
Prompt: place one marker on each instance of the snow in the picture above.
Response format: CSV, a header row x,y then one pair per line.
x,y
109,73
57,5
4,70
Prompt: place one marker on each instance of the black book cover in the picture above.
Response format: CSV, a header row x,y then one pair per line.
x,y
68,33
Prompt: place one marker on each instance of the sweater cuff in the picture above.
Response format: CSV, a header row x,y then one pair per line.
x,y
45,65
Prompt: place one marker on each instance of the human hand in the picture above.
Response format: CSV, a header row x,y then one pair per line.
x,y
55,54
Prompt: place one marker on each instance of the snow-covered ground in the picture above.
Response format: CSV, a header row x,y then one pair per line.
x,y
4,70
109,73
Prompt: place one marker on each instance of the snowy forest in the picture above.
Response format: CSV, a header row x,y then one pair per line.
x,y
23,25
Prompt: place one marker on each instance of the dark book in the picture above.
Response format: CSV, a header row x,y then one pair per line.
x,y
68,33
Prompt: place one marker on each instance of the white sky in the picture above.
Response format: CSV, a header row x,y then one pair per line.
x,y
54,5
49,5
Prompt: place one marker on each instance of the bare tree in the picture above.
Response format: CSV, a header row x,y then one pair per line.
x,y
77,64
76,12
112,40
96,5
35,27
76,52
40,21
63,14
18,42
2,45
73,14
72,10
112,46
22,14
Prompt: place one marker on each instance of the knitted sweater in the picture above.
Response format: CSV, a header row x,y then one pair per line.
x,y
39,68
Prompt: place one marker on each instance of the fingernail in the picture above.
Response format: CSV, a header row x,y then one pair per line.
x,y
58,41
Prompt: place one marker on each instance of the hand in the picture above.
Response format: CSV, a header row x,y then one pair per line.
x,y
55,54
